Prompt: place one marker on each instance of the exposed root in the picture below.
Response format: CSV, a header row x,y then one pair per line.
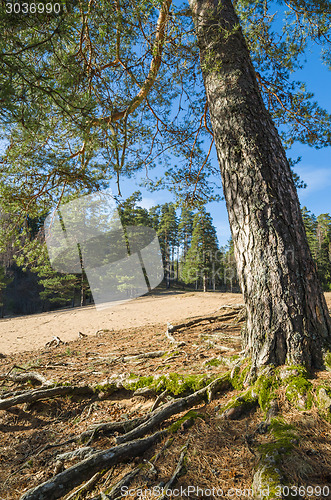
x,y
160,399
271,440
210,319
63,483
80,453
32,377
44,394
117,489
55,342
145,355
76,495
109,428
172,408
178,472
240,405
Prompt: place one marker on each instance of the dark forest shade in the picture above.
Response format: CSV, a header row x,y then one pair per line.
x,y
288,321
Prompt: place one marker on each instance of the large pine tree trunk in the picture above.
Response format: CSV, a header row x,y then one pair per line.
x,y
288,320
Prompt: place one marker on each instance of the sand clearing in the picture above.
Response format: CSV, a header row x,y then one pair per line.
x,y
26,333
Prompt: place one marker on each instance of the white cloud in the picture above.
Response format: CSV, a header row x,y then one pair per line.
x,y
317,179
147,203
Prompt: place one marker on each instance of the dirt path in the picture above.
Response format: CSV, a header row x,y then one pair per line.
x,y
26,333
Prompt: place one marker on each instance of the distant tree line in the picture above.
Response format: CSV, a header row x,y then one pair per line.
x,y
190,250
318,230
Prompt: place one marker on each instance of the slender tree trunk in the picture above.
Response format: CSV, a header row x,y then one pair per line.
x,y
288,321
204,282
83,291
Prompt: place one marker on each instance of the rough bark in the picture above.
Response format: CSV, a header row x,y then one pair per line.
x,y
287,317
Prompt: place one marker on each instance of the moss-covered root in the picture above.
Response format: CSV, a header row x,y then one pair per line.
x,y
268,478
239,405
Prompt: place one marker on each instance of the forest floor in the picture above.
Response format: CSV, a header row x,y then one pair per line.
x,y
219,453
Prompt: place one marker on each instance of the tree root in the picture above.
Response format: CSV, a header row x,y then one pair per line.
x,y
63,483
110,428
55,342
80,453
128,445
146,355
43,394
32,377
133,441
240,405
178,472
117,490
177,406
76,495
210,319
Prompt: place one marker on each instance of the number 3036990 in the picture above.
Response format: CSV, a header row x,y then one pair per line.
x,y
33,8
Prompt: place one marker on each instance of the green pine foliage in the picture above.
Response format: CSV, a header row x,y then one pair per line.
x,y
318,230
201,261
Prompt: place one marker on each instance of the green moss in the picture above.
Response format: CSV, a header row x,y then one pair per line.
x,y
270,481
174,383
189,416
284,436
299,392
327,360
246,400
138,382
323,401
265,387
293,372
239,375
214,362
284,439
106,388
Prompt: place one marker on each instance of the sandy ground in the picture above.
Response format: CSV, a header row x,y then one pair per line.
x,y
27,333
